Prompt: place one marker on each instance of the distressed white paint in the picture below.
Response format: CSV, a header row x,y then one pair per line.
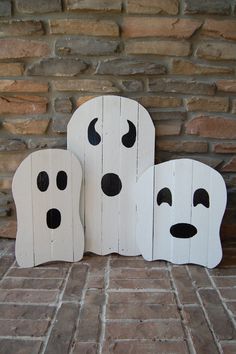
x,y
110,221
182,177
36,243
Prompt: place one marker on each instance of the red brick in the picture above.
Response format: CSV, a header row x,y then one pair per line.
x,y
225,281
21,28
9,162
182,146
207,104
140,284
28,296
183,283
90,321
199,277
159,27
212,127
158,47
21,283
87,27
186,67
27,312
181,86
228,348
135,263
226,85
20,346
84,85
142,312
141,297
149,346
31,7
22,86
63,330
26,126
219,29
170,7
162,330
216,51
85,348
220,321
75,283
160,101
82,99
228,294
38,273
138,274
23,327
230,166
168,115
11,69
94,5
200,333
23,104
170,128
7,226
22,48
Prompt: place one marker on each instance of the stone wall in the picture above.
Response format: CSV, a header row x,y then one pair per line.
x,y
176,57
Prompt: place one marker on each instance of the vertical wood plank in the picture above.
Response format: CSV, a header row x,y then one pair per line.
x,y
110,164
128,174
22,194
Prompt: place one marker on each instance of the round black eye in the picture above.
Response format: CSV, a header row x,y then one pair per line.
x,y
164,196
93,136
61,180
129,138
43,181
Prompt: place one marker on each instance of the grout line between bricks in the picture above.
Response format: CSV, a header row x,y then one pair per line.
x,y
180,308
80,311
103,312
58,303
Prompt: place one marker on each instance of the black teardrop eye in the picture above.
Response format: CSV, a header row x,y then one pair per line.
x,y
201,197
164,196
61,180
43,181
129,138
93,136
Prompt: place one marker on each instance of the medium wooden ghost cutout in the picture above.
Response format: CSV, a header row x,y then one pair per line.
x,y
46,190
180,208
113,137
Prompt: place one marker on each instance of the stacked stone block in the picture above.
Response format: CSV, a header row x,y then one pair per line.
x,y
176,57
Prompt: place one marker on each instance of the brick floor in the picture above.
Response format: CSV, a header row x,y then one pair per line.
x,y
117,304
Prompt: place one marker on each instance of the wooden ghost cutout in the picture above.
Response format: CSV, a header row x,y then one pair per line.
x,y
113,137
46,190
180,208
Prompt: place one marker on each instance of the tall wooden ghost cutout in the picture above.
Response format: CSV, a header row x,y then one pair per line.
x,y
46,190
113,137
180,208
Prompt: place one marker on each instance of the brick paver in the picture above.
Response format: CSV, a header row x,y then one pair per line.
x,y
116,304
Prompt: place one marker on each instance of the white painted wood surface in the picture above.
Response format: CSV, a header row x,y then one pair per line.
x,y
156,233
110,221
36,242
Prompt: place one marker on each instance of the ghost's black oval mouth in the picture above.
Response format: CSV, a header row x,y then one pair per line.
x,y
111,184
53,218
183,230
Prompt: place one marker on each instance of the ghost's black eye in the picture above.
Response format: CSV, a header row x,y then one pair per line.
x,y
164,196
201,197
43,181
61,180
129,138
93,136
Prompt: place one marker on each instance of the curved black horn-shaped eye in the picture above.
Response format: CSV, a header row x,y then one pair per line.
x,y
164,196
93,136
129,138
201,197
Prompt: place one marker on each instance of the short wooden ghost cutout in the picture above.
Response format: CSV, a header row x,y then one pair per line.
x,y
46,190
180,208
113,137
